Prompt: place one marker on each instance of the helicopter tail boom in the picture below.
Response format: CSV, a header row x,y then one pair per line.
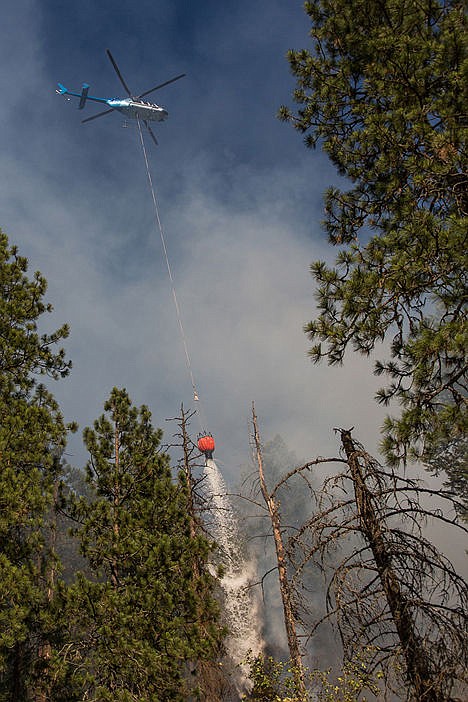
x,y
62,90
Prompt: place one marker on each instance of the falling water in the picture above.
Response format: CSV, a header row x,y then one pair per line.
x,y
242,607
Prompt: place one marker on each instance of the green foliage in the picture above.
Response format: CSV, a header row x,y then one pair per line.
x,y
73,482
351,685
138,623
271,680
384,91
452,459
32,431
274,681
24,352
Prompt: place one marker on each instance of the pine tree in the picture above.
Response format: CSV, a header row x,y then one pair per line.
x,y
139,623
31,431
452,459
384,92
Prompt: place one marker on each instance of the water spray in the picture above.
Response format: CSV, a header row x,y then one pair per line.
x,y
241,607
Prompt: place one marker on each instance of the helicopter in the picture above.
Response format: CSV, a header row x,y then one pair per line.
x,y
132,107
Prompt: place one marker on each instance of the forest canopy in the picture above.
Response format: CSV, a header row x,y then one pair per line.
x,y
383,90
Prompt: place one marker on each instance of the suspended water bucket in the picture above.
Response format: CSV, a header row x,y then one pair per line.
x,y
206,444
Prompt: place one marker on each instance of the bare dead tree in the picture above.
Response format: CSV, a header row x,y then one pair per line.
x,y
186,463
392,594
289,589
285,588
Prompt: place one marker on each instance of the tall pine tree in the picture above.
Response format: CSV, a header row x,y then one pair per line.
x,y
383,89
31,431
138,624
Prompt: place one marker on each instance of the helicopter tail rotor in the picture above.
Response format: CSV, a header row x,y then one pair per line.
x,y
83,96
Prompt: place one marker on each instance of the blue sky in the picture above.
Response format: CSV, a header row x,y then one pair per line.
x,y
240,200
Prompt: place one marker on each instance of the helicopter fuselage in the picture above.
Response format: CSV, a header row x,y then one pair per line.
x,y
138,109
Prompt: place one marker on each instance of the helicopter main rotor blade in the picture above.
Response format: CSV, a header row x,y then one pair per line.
x,y
116,68
161,85
99,114
152,135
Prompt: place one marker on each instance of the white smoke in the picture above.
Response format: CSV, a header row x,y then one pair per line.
x,y
242,606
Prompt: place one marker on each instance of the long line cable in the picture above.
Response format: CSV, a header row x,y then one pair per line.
x,y
196,396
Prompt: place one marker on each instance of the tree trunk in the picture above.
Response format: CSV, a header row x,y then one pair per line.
x,y
425,688
116,502
188,477
44,651
285,587
17,672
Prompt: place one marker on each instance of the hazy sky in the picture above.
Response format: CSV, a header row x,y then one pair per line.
x,y
240,200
